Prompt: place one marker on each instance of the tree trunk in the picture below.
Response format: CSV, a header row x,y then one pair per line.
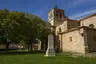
x,y
31,47
7,47
28,47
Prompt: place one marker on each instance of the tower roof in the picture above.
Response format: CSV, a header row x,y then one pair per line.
x,y
56,8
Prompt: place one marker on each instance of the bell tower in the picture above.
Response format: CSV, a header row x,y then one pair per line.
x,y
56,16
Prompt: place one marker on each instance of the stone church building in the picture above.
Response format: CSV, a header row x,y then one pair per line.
x,y
73,35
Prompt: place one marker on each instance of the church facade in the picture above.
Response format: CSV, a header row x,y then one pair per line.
x,y
73,35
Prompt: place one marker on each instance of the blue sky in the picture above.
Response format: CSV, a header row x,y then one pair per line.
x,y
74,9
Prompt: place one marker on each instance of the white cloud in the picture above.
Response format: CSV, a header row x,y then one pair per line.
x,y
82,14
75,3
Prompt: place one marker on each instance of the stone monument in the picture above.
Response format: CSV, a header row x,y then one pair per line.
x,y
50,49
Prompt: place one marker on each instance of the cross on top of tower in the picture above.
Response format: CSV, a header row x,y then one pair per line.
x,y
55,6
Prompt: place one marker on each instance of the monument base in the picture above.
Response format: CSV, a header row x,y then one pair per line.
x,y
50,52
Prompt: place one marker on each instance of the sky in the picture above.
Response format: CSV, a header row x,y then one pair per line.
x,y
74,9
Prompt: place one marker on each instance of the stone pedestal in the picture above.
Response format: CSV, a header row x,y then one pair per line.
x,y
50,50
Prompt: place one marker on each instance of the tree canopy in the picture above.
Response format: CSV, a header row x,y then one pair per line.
x,y
17,26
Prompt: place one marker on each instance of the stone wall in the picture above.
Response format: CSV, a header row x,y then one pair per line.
x,y
73,41
51,17
72,24
91,39
62,26
66,25
56,16
88,21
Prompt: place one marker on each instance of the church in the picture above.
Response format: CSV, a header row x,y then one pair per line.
x,y
73,35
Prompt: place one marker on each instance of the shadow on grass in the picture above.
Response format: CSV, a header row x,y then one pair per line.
x,y
22,53
50,57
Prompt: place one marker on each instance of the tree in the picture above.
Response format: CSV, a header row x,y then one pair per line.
x,y
41,28
11,28
16,27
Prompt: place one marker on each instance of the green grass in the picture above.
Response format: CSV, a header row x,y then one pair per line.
x,y
35,58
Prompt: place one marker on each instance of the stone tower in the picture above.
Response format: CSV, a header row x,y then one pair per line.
x,y
55,16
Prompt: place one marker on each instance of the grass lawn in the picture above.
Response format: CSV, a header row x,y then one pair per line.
x,y
40,59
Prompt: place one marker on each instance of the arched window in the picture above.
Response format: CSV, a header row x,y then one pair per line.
x,y
91,26
60,14
56,15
